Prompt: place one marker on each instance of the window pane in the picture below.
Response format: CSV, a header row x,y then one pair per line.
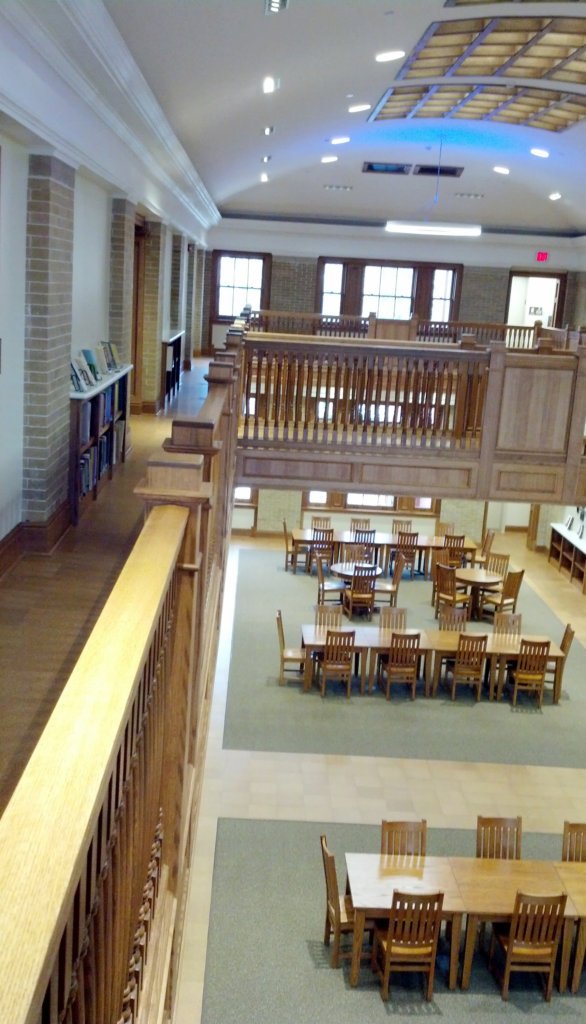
x,y
386,308
332,277
318,497
242,493
404,281
369,305
388,281
331,305
353,498
423,502
225,302
227,270
255,274
371,283
402,309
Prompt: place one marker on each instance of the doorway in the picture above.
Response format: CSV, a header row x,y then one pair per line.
x,y
535,297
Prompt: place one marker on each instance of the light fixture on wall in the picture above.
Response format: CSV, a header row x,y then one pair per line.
x,y
397,227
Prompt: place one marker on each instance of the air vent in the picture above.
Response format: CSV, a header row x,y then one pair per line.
x,y
432,170
375,168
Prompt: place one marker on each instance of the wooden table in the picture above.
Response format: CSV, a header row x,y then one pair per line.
x,y
477,579
345,570
367,640
483,890
384,544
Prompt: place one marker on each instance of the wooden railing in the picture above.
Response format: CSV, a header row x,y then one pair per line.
x,y
96,841
275,321
303,391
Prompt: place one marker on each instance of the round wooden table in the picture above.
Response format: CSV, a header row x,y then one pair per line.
x,y
477,580
346,569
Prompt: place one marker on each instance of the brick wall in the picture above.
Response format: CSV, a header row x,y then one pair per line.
x,y
175,317
293,284
484,294
122,276
574,312
49,265
274,506
467,516
152,317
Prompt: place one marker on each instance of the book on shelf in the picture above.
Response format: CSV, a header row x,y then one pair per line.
x,y
84,371
118,364
77,382
101,360
92,362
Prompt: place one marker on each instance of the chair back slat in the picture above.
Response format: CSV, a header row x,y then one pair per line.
x,y
359,524
339,647
508,623
392,618
471,652
404,650
533,655
453,619
404,838
499,838
328,616
537,920
574,841
498,564
399,568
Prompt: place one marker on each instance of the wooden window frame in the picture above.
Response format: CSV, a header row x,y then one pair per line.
x,y
265,294
353,275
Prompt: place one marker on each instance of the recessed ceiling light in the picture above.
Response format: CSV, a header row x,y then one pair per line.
x,y
382,58
338,188
275,6
329,159
357,108
397,227
339,140
540,152
555,195
268,129
501,170
468,195
270,84
265,159
264,176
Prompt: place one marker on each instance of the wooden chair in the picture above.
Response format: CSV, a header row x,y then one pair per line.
x,y
528,675
499,838
390,588
402,661
327,585
322,544
480,556
337,659
365,538
321,522
439,556
508,623
550,669
504,599
292,552
441,529
354,553
469,662
409,942
574,842
392,618
359,595
454,545
328,616
407,546
359,524
447,592
453,619
289,655
339,909
532,940
401,526
404,838
498,563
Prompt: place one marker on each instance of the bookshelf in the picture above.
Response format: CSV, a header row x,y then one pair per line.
x,y
568,551
98,420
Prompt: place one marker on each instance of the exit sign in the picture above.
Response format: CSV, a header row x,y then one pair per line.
x,y
541,257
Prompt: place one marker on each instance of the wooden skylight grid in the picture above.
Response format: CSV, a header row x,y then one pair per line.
x,y
552,48
541,108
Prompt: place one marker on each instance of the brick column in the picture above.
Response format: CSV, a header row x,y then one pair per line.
x,y
49,265
152,318
122,276
195,291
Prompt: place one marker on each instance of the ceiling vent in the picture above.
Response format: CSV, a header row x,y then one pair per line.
x,y
372,167
435,171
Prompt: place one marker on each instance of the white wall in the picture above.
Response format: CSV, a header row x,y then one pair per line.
x,y
91,265
13,199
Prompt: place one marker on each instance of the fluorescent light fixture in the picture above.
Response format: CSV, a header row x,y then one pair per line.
x,y
383,58
397,227
270,84
555,195
264,177
339,140
357,108
329,159
500,170
544,153
275,6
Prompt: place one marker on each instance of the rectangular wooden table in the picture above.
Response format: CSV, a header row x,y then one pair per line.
x,y
384,544
369,641
483,890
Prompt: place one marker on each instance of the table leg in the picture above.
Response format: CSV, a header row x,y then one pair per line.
x,y
437,664
469,947
359,920
308,669
557,680
455,950
371,667
579,955
492,663
567,936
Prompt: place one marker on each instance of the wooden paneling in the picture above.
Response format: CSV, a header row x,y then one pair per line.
x,y
535,409
521,481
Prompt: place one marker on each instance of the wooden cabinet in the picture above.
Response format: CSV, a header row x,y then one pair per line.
x,y
98,437
568,551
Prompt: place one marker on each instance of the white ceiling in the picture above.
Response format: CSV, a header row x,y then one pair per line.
x,y
205,60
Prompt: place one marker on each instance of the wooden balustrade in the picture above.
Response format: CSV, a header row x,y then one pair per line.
x,y
419,396
96,841
275,321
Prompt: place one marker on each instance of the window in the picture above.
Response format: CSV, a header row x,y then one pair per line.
x,y
318,497
423,503
387,292
441,298
370,500
331,300
239,279
243,494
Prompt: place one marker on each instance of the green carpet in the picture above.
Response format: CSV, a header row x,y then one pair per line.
x,y
261,715
266,962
